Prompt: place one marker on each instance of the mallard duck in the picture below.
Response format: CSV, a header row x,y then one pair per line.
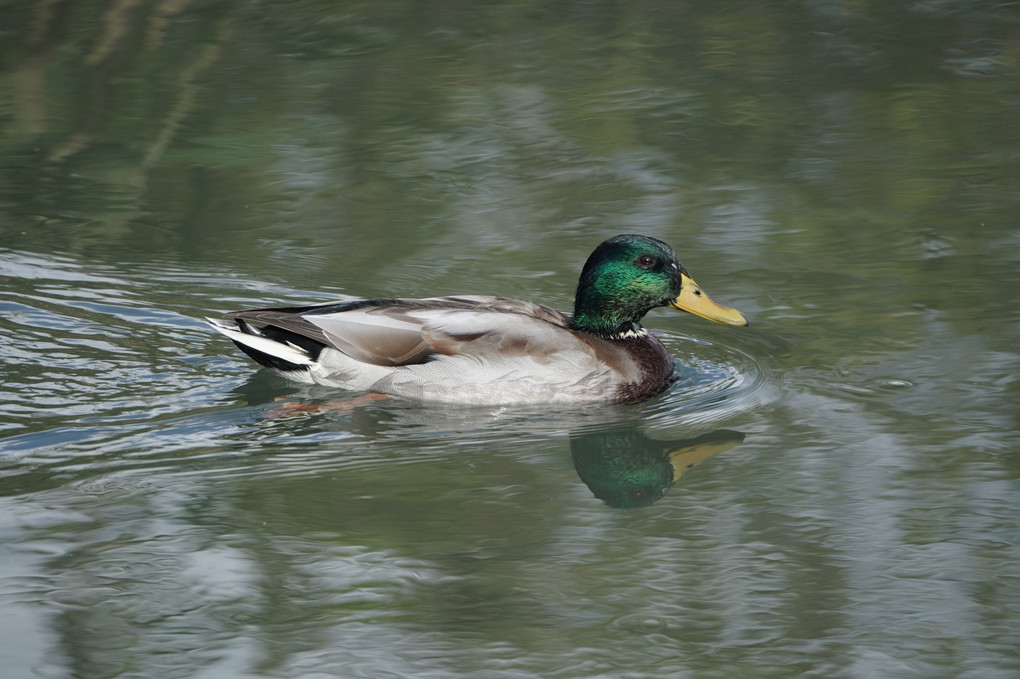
x,y
491,350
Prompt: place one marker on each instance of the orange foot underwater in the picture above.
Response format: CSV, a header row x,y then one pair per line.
x,y
287,408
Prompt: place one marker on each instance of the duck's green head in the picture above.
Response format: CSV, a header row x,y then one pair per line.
x,y
627,276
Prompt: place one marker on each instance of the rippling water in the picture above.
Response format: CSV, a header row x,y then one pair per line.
x,y
152,494
832,492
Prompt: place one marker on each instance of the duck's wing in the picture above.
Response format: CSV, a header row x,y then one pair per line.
x,y
491,333
395,332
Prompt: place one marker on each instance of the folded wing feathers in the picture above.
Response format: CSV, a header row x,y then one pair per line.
x,y
281,318
373,336
404,331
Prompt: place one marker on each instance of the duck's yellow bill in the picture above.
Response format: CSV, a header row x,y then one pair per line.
x,y
693,300
684,459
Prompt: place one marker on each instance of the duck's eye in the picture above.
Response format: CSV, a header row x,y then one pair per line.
x,y
646,261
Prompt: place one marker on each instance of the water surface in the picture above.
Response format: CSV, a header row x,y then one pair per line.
x,y
831,492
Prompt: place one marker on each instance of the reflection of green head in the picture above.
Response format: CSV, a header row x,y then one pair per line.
x,y
624,469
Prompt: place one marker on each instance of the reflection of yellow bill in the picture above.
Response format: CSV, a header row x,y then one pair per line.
x,y
693,300
688,457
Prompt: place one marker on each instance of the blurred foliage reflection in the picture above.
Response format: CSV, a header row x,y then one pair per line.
x,y
178,127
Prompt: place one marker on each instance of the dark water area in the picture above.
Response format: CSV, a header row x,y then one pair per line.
x,y
831,492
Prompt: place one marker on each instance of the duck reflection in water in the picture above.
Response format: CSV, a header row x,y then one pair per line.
x,y
626,469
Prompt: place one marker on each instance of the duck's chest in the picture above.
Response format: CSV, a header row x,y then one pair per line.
x,y
651,370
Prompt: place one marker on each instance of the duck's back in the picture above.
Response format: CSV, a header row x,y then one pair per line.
x,y
466,349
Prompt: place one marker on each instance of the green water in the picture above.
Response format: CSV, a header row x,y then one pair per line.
x,y
846,174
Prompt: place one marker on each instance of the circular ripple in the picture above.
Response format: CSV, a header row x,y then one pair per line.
x,y
715,381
